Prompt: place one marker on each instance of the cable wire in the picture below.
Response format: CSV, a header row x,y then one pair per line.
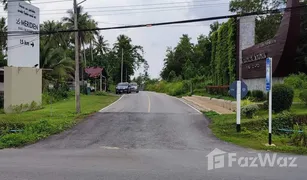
x,y
166,23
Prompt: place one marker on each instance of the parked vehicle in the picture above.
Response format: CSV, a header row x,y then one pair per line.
x,y
134,87
123,88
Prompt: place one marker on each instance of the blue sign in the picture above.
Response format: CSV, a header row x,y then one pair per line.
x,y
233,89
268,75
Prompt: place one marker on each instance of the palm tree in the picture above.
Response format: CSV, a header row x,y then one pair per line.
x,y
133,55
84,22
5,2
101,45
56,59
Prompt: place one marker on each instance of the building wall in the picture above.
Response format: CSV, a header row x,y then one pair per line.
x,y
22,86
246,36
259,83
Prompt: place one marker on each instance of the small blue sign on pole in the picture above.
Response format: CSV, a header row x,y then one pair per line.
x,y
268,74
233,89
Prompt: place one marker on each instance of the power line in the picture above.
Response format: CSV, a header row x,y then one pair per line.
x,y
139,10
168,23
46,2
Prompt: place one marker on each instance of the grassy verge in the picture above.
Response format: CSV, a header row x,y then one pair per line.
x,y
52,119
254,132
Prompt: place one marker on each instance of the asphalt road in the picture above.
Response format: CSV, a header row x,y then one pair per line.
x,y
142,136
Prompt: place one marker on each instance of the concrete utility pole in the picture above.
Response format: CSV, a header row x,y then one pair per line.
x,y
122,66
77,80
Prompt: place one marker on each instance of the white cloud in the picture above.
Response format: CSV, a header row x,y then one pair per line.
x,y
153,39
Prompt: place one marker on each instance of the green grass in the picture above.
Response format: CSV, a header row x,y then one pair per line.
x,y
299,109
254,132
51,119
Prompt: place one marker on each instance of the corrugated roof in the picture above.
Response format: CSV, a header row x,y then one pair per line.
x,y
93,71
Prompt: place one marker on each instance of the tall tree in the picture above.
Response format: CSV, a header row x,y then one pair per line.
x,y
266,25
101,45
3,41
183,52
84,22
132,55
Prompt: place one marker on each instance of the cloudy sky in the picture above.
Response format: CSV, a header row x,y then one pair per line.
x,y
126,12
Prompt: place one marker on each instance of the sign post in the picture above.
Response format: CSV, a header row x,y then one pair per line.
x,y
23,19
238,106
268,85
238,90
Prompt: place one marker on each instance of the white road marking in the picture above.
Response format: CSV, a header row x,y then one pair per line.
x,y
148,102
189,105
108,147
112,103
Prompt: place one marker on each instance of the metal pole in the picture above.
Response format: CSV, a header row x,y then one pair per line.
x,y
77,80
122,66
270,105
239,106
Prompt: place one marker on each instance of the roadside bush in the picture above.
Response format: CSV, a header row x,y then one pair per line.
x,y
303,96
246,102
299,138
100,93
218,90
282,97
257,95
283,120
297,81
249,110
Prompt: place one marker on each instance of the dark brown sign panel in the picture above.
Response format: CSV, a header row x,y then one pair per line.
x,y
281,48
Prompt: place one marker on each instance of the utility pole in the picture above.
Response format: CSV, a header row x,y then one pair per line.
x,y
126,75
77,77
122,66
101,81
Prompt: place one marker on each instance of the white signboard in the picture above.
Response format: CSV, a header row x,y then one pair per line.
x,y
23,43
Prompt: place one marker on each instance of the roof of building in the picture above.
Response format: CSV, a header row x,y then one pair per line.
x,y
93,71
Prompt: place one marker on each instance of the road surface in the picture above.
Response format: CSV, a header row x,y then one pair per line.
x,y
145,136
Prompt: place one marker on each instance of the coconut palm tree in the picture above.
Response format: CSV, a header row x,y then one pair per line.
x,y
84,22
4,2
55,58
102,45
133,56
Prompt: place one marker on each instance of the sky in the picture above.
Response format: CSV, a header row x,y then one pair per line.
x,y
154,40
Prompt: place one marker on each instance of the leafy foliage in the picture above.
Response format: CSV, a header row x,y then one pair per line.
x,y
257,95
297,81
282,97
299,137
250,110
303,96
283,120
